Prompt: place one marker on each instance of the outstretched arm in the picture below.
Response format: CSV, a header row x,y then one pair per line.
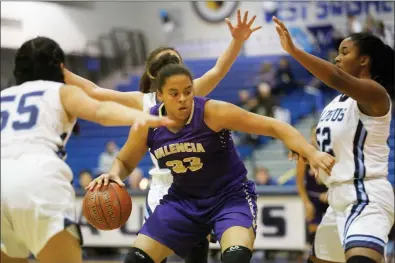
x,y
368,93
240,33
132,99
78,104
222,115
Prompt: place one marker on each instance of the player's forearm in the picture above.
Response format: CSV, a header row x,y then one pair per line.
x,y
293,139
226,60
73,79
113,114
120,169
205,84
325,71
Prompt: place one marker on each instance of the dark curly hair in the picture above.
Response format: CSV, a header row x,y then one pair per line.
x,y
39,59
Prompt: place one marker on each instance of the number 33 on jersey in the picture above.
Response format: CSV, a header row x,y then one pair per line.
x,y
181,166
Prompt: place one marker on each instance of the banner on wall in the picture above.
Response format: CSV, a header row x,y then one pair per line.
x,y
313,24
312,12
323,35
280,225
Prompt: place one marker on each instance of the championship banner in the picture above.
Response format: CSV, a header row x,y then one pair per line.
x,y
280,225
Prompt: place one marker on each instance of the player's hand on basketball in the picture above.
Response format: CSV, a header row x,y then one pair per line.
x,y
285,37
104,179
321,160
243,29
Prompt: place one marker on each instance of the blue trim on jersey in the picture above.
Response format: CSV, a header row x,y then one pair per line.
x,y
369,238
359,175
367,241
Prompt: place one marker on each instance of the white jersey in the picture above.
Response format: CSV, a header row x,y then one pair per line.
x,y
357,141
160,177
33,120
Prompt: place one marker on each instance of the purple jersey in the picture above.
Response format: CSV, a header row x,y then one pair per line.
x,y
202,161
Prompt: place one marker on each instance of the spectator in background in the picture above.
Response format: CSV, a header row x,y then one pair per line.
x,y
135,179
353,25
247,102
107,158
262,177
285,81
268,75
84,178
266,102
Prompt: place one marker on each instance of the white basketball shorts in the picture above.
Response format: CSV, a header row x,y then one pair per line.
x,y
37,202
361,214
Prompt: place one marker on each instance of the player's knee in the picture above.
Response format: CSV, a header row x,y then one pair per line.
x,y
360,259
199,253
137,255
237,254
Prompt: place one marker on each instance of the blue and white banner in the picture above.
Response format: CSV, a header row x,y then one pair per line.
x,y
312,12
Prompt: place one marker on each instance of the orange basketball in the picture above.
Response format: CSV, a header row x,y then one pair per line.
x,y
107,208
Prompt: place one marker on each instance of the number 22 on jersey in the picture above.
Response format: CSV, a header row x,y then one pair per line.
x,y
178,166
25,110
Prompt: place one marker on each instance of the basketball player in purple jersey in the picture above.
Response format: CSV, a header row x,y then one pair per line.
x,y
210,189
147,98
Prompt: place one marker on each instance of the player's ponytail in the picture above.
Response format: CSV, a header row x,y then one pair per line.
x,y
148,78
145,83
388,71
160,63
381,58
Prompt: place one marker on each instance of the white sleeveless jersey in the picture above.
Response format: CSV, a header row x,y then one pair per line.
x,y
33,120
358,142
159,176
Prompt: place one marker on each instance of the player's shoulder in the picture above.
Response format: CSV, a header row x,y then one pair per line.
x,y
201,100
31,86
149,101
9,90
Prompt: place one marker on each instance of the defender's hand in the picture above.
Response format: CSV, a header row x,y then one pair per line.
x,y
242,30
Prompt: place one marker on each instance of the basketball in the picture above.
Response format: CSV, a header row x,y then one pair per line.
x,y
107,208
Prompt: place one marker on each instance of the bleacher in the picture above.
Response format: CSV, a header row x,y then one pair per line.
x,y
85,149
